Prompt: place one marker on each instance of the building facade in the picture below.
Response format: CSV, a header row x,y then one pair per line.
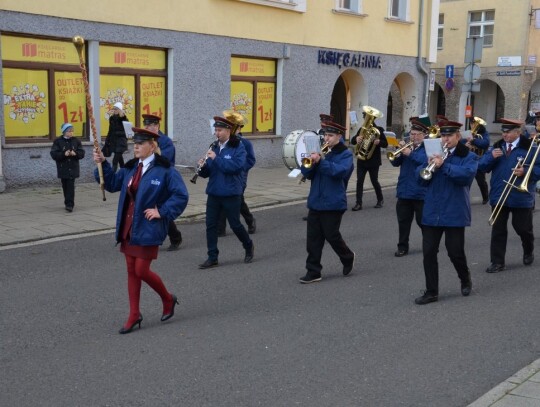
x,y
499,78
279,63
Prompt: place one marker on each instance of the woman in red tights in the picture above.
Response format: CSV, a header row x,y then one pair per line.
x,y
152,192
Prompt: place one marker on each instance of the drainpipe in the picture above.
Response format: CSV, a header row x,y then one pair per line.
x,y
420,62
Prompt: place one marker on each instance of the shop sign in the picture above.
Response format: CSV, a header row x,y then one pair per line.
x,y
509,73
347,59
136,58
28,49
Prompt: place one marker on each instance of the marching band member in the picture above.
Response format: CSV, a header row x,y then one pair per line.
x,y
151,194
447,210
501,162
327,201
224,166
480,145
410,194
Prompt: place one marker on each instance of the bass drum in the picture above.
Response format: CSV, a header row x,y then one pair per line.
x,y
294,148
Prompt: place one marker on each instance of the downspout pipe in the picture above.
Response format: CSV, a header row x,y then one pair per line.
x,y
419,61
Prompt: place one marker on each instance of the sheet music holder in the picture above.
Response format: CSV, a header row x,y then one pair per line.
x,y
128,128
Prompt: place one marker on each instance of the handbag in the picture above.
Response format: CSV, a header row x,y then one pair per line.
x,y
106,149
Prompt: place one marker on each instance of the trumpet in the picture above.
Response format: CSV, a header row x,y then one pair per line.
x,y
307,162
427,173
201,166
392,155
511,183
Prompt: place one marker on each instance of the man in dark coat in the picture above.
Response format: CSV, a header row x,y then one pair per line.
x,y
67,151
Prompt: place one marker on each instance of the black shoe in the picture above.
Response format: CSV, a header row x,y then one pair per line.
x,y
250,253
174,246
252,227
426,298
348,268
401,253
466,289
125,330
208,264
495,268
69,208
165,317
357,207
304,218
222,233
379,204
528,259
310,278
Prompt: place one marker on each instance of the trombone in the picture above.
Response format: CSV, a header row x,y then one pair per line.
x,y
427,173
511,183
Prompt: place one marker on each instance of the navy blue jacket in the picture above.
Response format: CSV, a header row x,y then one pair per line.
x,y
447,202
167,147
225,172
161,186
408,186
481,142
501,170
328,180
250,157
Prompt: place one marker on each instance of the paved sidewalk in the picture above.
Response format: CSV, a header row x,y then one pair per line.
x,y
38,214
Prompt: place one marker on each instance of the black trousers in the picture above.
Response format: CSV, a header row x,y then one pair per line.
x,y
118,159
324,226
454,240
482,184
244,211
175,236
406,211
68,188
374,178
522,222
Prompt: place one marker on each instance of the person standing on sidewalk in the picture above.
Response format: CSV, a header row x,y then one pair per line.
x,y
250,162
67,151
116,136
224,166
410,194
327,201
151,122
151,194
447,210
370,166
502,161
479,145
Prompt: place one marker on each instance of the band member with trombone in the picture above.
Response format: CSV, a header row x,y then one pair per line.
x,y
447,209
327,201
151,122
224,165
478,143
514,171
409,192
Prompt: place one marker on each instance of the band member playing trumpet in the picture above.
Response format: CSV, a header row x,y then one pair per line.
x,y
224,166
447,210
478,143
502,161
327,201
410,194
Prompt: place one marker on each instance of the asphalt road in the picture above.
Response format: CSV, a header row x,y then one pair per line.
x,y
251,335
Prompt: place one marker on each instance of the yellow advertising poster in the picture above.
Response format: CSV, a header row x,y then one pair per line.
x,y
138,58
252,67
242,102
26,103
152,100
113,89
70,100
266,95
38,50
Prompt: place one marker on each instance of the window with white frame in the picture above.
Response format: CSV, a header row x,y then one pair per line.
x,y
354,6
482,24
399,9
293,5
440,32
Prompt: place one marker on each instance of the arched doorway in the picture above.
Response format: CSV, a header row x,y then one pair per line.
x,y
349,95
403,102
487,104
437,102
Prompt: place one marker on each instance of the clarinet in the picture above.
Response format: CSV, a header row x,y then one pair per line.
x,y
201,166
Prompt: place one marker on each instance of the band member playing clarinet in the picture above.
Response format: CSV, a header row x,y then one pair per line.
x,y
447,210
224,166
327,201
502,162
152,193
409,192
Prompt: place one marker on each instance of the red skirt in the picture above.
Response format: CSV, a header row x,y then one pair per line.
x,y
141,252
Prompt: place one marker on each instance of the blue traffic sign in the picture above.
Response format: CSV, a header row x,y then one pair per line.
x,y
449,71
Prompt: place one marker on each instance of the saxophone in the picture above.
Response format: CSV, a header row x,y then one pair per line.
x,y
368,133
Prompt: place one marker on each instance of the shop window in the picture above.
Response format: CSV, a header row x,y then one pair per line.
x,y
42,88
253,93
482,24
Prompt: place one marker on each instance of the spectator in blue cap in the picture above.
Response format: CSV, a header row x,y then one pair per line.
x,y
67,151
